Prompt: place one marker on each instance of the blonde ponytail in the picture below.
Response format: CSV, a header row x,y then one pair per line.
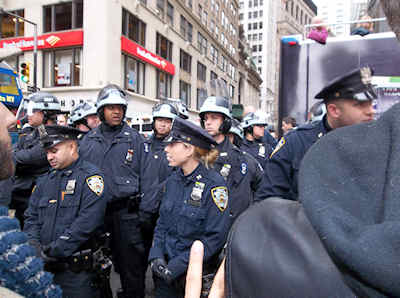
x,y
207,157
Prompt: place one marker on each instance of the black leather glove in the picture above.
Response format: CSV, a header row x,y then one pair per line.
x,y
160,269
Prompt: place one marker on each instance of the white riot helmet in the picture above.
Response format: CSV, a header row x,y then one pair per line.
x,y
111,95
317,111
256,118
164,110
81,111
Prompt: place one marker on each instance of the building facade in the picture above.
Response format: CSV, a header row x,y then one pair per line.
x,y
152,48
259,21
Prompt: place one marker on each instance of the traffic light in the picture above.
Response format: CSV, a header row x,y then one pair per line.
x,y
25,72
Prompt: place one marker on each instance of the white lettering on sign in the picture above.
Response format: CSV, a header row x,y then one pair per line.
x,y
150,57
22,44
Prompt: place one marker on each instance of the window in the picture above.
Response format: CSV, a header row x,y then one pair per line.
x,y
250,4
297,12
231,91
202,44
249,26
200,97
213,76
255,3
260,36
204,18
10,26
259,59
163,47
134,75
241,5
241,16
184,92
254,48
260,13
216,31
255,25
62,68
212,25
261,2
250,14
249,37
224,63
214,54
63,16
133,28
190,3
164,82
260,47
201,72
261,25
200,11
161,7
170,13
186,29
216,8
255,14
255,36
185,61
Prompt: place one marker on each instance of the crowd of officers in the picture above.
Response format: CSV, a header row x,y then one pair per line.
x,y
155,196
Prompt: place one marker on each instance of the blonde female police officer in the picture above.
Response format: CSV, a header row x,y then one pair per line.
x,y
194,206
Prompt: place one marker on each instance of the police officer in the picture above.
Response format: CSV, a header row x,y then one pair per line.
x,y
253,143
241,171
29,157
84,117
194,206
155,170
236,133
348,100
65,210
117,149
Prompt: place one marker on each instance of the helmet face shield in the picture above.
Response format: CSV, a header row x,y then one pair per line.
x,y
110,95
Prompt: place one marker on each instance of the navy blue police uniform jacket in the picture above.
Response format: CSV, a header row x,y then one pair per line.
x,y
243,175
154,172
29,158
66,208
194,207
269,139
258,149
281,173
119,159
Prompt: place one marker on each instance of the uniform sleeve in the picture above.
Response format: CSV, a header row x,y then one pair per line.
x,y
32,226
216,228
90,218
278,173
157,248
34,156
257,180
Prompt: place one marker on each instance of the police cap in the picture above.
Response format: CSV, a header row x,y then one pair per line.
x,y
52,135
354,85
185,131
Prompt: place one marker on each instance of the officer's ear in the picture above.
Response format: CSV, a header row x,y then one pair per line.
x,y
334,109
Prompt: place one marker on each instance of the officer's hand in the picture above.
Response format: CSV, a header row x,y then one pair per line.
x,y
160,269
194,275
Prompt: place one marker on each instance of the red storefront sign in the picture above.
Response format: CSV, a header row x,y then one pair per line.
x,y
138,51
46,41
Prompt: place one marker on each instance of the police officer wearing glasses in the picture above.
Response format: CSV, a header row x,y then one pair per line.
x,y
116,148
65,211
348,100
29,157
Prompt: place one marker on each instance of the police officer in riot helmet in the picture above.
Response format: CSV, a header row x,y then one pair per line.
x,y
155,170
241,171
348,100
29,157
117,149
84,117
65,210
254,128
236,133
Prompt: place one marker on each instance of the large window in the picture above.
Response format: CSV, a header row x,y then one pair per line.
x,y
186,29
214,54
184,92
63,16
170,13
133,28
185,61
10,26
163,47
202,44
164,82
62,68
134,75
201,72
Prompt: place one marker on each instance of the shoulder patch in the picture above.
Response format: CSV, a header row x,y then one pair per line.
x,y
220,197
96,184
280,144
